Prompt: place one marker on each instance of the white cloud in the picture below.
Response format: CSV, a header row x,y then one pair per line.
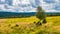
x,y
51,7
2,6
26,6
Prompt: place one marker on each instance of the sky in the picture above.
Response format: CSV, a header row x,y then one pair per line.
x,y
29,5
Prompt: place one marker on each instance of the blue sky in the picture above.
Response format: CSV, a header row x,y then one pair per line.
x,y
29,5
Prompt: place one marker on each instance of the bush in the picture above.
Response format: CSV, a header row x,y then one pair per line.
x,y
44,21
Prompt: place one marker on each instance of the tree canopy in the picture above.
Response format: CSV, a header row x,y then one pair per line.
x,y
40,13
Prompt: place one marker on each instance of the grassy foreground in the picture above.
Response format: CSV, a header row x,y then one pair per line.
x,y
26,26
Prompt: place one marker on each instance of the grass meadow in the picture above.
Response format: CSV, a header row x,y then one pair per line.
x,y
27,26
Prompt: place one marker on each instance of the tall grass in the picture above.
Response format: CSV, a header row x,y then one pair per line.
x,y
26,26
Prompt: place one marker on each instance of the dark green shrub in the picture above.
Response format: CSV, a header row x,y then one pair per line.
x,y
44,21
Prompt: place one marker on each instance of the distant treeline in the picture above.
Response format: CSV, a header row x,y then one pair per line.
x,y
53,13
15,15
18,15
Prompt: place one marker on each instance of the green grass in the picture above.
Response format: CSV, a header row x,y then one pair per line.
x,y
28,20
26,26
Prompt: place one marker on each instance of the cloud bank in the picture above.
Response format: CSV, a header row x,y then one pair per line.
x,y
29,5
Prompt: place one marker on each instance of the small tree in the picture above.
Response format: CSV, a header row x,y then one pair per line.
x,y
40,14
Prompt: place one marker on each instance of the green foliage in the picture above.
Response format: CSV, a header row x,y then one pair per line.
x,y
44,21
40,13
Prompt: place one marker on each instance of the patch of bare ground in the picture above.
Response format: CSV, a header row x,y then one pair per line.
x,y
2,20
56,28
25,24
21,23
